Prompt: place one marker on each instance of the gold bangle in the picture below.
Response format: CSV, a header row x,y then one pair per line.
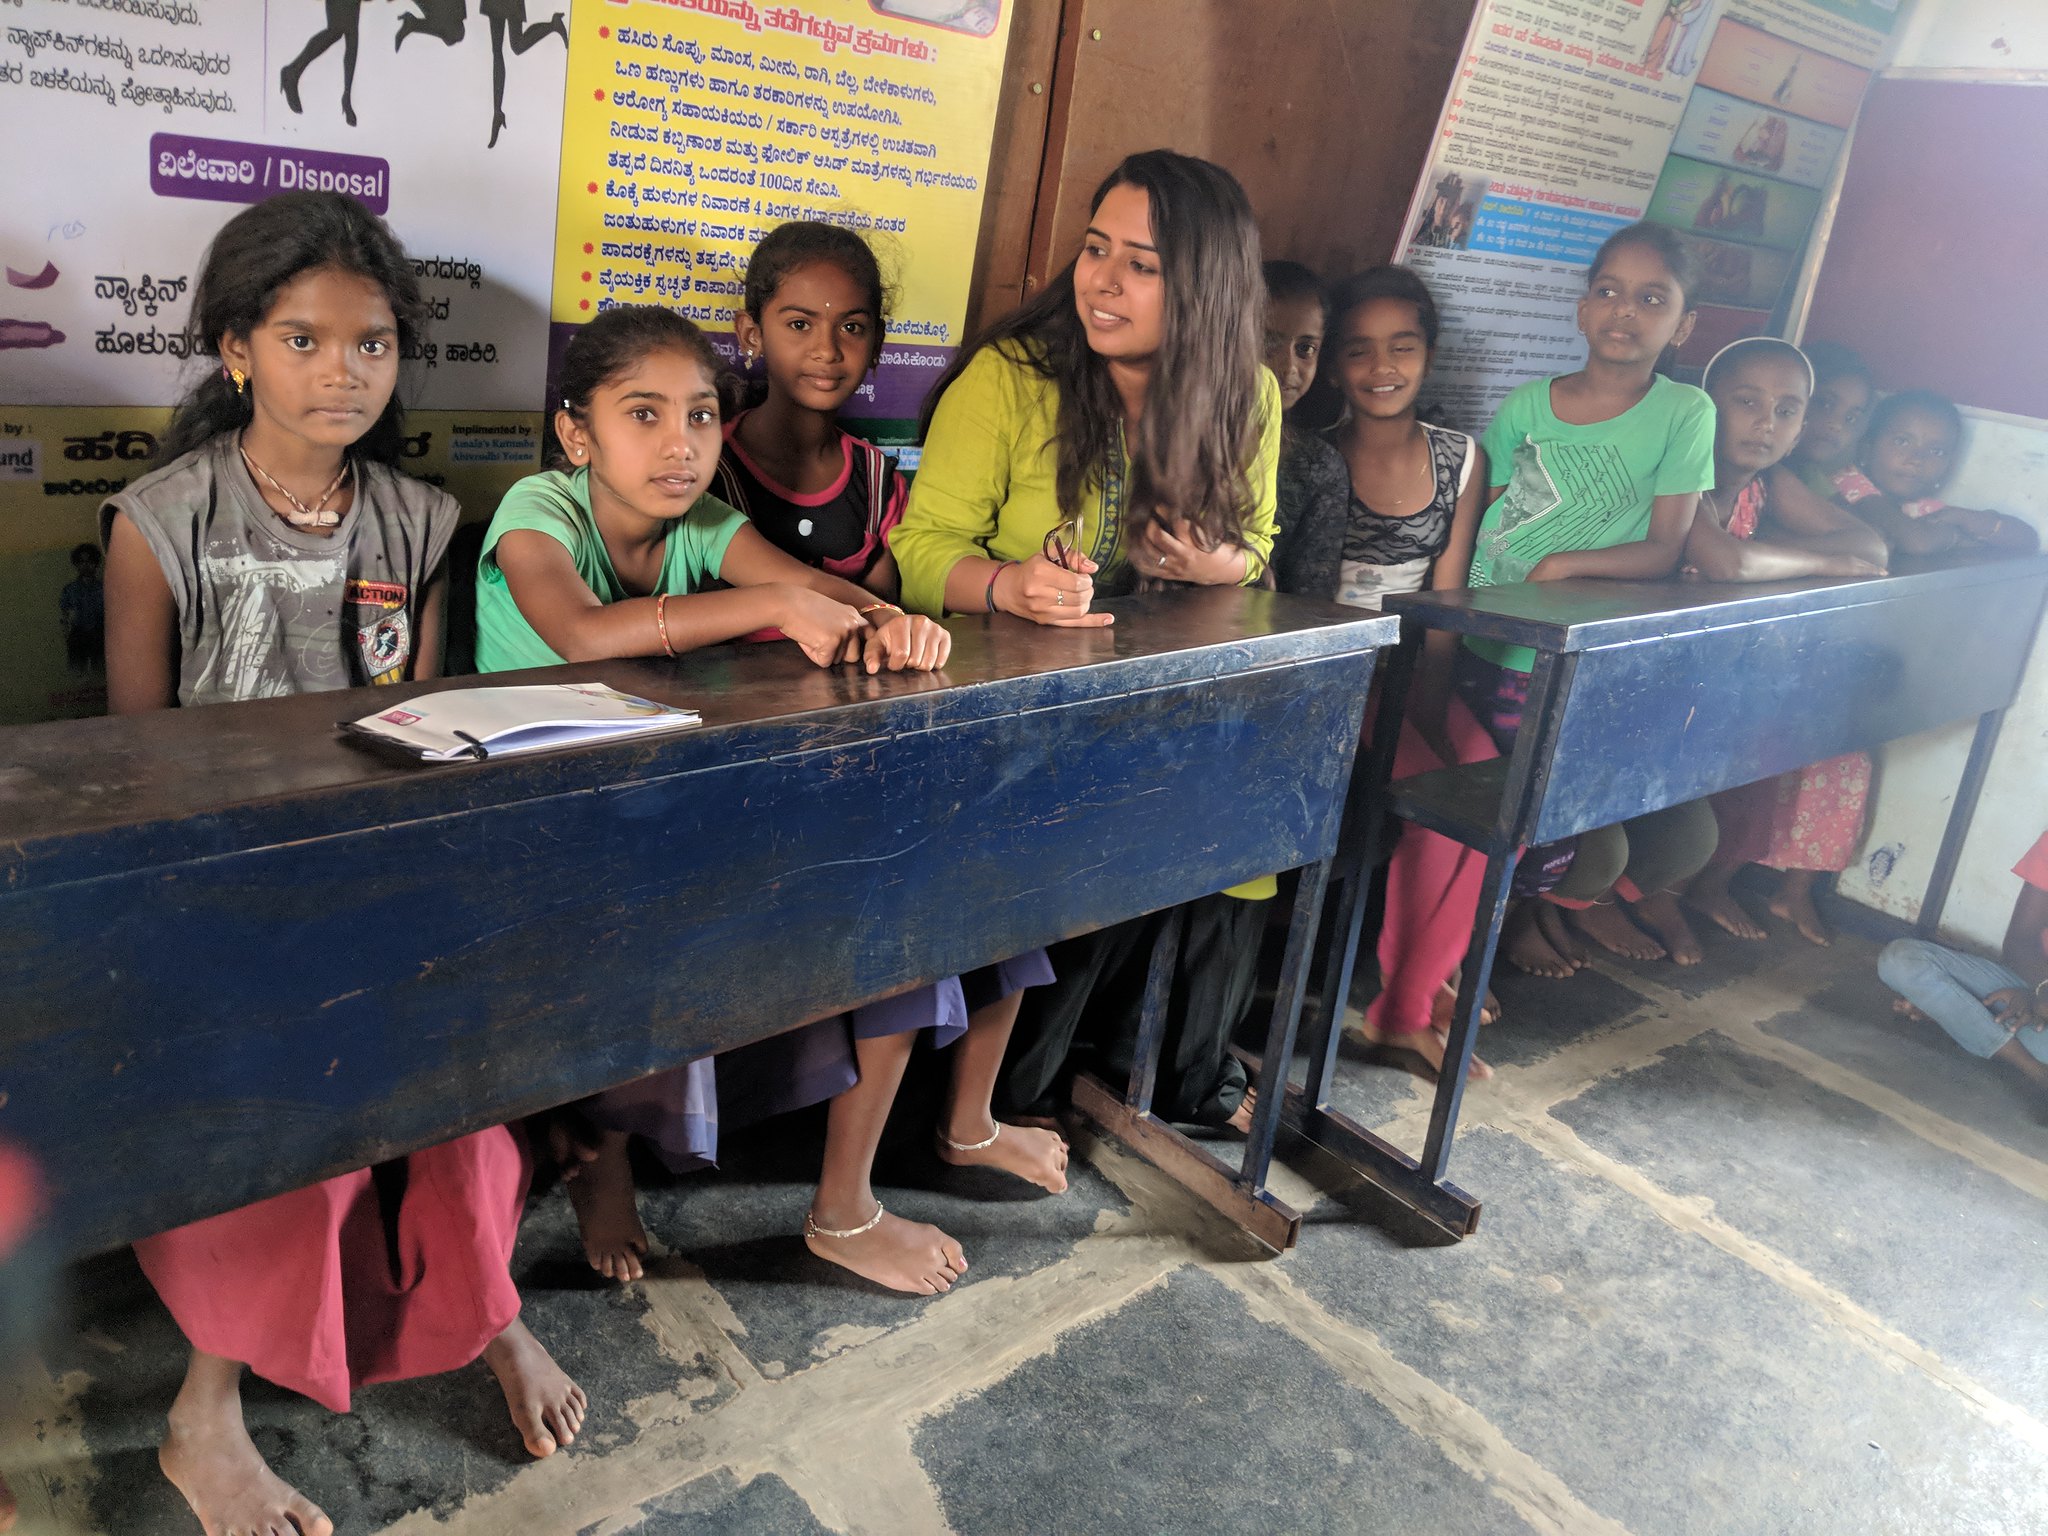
x,y
875,607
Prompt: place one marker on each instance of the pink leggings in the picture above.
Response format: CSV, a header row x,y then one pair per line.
x,y
1432,890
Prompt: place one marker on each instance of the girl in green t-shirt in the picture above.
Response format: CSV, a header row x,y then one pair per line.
x,y
613,558
1598,473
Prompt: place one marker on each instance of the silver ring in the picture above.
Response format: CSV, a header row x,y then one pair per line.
x,y
1059,599
1162,562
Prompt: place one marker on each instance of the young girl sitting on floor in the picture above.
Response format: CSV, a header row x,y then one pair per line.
x,y
1406,517
612,558
278,550
1598,473
1905,459
1761,523
1995,1009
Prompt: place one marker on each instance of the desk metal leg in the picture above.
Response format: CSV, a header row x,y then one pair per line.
x,y
1975,767
1276,1061
1360,847
1450,1083
1152,1013
1240,1193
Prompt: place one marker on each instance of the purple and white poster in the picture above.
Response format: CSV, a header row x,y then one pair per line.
x,y
135,128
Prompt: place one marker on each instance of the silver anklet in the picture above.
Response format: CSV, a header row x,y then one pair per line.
x,y
812,1229
972,1146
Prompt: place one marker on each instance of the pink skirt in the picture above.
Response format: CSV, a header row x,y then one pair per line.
x,y
329,1288
1812,819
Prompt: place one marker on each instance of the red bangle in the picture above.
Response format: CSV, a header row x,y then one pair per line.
x,y
661,625
991,599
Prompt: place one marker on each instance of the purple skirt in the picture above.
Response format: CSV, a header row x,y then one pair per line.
x,y
679,1111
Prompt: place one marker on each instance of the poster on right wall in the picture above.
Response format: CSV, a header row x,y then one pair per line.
x,y
1569,119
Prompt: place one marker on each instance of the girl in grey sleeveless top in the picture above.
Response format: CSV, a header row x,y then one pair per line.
x,y
278,550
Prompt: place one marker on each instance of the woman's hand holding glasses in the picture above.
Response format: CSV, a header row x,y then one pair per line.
x,y
1055,586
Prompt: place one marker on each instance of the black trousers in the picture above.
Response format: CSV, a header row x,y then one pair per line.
x,y
1087,1020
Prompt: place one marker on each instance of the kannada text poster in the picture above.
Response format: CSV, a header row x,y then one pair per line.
x,y
1558,123
135,129
694,127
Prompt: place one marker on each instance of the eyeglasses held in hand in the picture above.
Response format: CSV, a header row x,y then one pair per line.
x,y
1063,543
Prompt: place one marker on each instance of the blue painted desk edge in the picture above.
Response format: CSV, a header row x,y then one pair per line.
x,y
1561,617
172,784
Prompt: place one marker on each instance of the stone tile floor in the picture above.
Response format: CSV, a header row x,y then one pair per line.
x,y
1756,1257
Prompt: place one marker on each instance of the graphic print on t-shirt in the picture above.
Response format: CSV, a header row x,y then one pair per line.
x,y
1561,496
376,612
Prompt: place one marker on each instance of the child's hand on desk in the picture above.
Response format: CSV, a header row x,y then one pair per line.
x,y
1548,568
2014,1008
910,641
1969,523
1849,565
829,632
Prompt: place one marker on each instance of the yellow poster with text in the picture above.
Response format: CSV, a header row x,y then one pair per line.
x,y
694,127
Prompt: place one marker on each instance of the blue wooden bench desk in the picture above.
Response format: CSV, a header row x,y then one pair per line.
x,y
1650,694
238,954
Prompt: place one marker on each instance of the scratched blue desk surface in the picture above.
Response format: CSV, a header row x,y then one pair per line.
x,y
238,953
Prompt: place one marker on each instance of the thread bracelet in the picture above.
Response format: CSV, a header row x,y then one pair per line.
x,y
991,599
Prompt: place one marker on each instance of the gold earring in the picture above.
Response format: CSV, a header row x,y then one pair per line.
x,y
241,380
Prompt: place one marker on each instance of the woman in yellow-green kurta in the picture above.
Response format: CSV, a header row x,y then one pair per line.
x,y
1126,409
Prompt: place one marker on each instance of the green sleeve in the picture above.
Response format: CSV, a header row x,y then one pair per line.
x,y
963,479
1688,463
1504,435
542,503
1265,518
707,530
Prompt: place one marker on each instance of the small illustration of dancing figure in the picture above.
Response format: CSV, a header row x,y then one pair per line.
x,y
508,23
343,22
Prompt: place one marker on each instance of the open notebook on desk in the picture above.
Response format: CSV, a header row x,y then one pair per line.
x,y
465,723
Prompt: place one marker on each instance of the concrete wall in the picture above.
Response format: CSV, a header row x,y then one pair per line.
x,y
1979,36
1997,47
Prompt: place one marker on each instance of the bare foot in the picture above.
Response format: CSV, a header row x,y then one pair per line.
x,y
1240,1120
1035,1156
1906,1010
1660,913
1794,903
209,1458
547,1407
1446,1004
1526,947
1712,899
911,1256
1610,928
1558,934
1429,1045
601,1190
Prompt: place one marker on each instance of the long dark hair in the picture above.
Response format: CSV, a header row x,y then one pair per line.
x,y
1200,431
612,344
255,254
